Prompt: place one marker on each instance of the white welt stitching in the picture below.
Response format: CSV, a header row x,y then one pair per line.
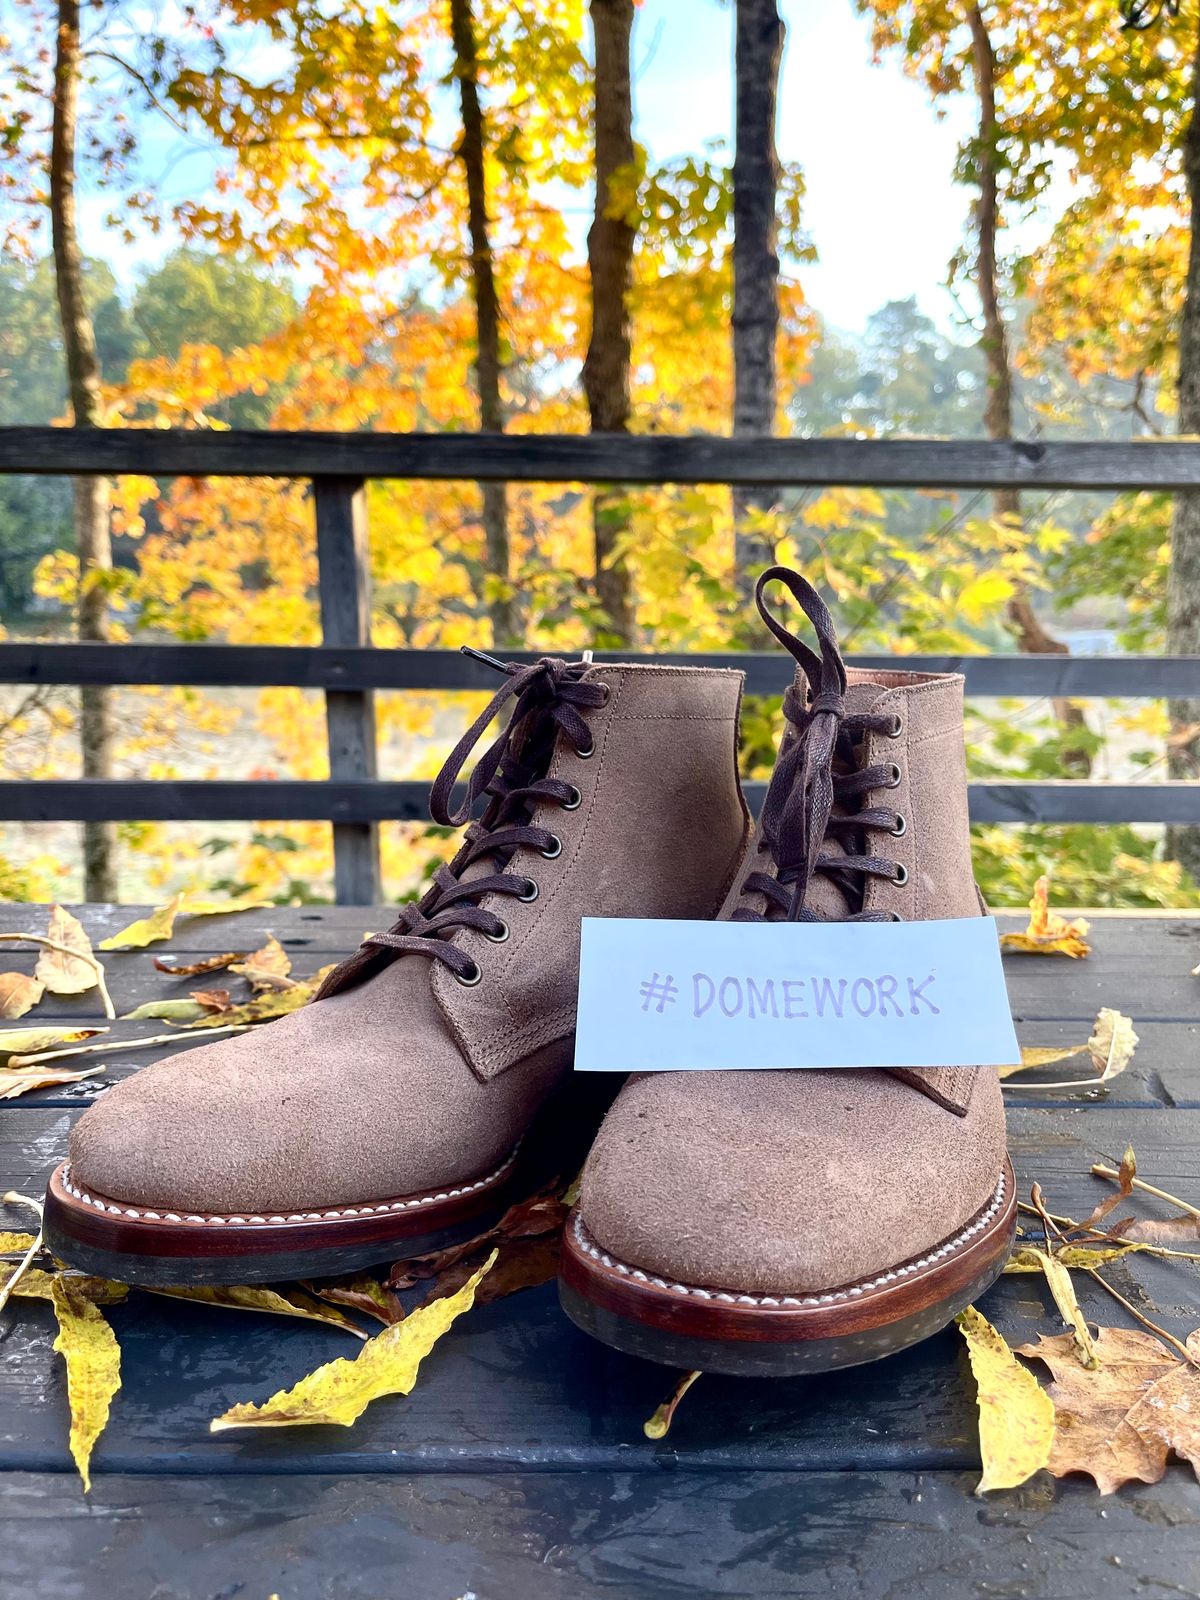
x,y
411,1204
851,1292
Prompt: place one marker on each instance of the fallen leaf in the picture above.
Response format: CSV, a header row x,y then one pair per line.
x,y
1059,1278
166,1011
36,1284
14,1081
340,1391
543,1212
1016,1418
197,969
522,1263
1169,1411
1040,1056
1049,932
1094,1432
278,1302
160,924
19,993
89,1347
267,1005
61,973
658,1426
213,999
267,968
26,1041
363,1294
16,1243
1173,1230
1112,1043
1126,1173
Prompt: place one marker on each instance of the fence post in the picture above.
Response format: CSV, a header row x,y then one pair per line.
x,y
345,589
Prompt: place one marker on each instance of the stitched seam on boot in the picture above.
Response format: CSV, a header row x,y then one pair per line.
x,y
413,1203
828,1297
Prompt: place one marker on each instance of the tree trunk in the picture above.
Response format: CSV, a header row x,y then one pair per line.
x,y
92,532
610,242
758,53
998,408
501,606
1183,590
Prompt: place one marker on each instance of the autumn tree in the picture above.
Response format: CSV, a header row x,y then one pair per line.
x,y
758,54
610,246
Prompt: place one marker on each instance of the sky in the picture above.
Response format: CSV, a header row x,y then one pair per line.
x,y
882,208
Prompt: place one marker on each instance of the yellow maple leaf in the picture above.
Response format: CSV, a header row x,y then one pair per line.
x,y
1049,932
341,1391
89,1347
1016,1418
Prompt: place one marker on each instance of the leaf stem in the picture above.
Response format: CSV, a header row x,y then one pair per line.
x,y
1167,1338
125,1044
1101,1171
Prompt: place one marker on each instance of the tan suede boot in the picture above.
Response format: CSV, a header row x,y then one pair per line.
x,y
384,1119
778,1222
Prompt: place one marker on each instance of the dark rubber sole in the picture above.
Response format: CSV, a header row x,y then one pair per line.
x,y
754,1335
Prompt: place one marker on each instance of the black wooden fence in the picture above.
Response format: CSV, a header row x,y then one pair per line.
x,y
348,670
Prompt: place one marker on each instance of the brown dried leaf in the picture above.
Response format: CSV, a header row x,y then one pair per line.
x,y
1126,1173
521,1263
15,1082
1112,1043
362,1294
1168,1413
66,974
19,993
267,1005
1049,932
1172,1231
197,969
266,969
213,999
1094,1430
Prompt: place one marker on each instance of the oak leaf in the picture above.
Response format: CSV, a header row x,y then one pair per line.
x,y
341,1391
1016,1418
1049,932
19,993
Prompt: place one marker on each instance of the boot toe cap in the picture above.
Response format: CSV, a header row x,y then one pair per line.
x,y
786,1182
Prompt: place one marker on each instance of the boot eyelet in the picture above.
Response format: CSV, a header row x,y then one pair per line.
x,y
576,800
554,849
900,829
894,777
895,730
471,977
900,877
530,892
894,916
501,933
607,692
586,755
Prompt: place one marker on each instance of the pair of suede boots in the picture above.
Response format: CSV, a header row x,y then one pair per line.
x,y
757,1222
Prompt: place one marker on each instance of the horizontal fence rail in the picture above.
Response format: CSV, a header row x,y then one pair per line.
x,y
613,458
349,671
324,667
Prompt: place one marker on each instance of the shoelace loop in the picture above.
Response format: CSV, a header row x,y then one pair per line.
x,y
798,813
549,697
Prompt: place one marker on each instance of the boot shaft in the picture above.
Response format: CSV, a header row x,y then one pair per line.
x,y
659,830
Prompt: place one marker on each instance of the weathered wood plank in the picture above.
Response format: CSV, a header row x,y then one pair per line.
x,y
599,1536
605,458
325,667
344,563
514,1386
353,803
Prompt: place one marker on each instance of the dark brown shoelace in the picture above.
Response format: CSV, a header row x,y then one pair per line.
x,y
819,768
549,698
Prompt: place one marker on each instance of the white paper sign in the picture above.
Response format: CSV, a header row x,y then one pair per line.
x,y
669,996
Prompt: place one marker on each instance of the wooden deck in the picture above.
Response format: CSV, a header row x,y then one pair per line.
x,y
518,1467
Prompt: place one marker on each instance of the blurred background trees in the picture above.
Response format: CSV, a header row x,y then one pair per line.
x,y
389,236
